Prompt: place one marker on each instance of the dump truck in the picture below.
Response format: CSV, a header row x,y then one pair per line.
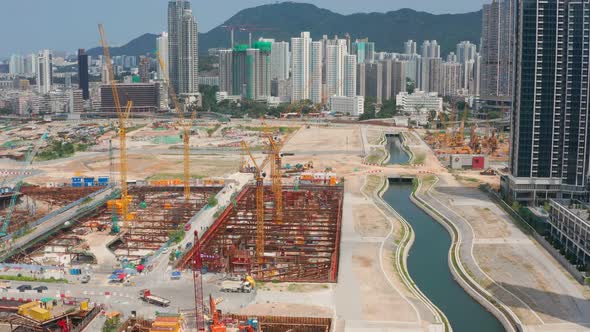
x,y
235,286
147,296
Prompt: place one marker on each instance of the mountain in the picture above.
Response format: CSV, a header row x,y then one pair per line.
x,y
287,19
141,45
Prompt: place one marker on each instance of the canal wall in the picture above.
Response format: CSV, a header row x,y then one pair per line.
x,y
402,253
505,315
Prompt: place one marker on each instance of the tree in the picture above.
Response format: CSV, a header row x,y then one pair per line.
x,y
212,201
112,324
410,85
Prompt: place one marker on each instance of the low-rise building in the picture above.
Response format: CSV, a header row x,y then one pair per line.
x,y
569,223
145,97
222,95
352,106
419,101
209,80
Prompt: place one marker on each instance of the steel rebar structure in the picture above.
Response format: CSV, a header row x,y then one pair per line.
x,y
304,248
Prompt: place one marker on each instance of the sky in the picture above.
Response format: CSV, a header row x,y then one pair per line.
x,y
30,25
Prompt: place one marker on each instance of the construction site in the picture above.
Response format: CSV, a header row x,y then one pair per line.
x,y
304,247
467,137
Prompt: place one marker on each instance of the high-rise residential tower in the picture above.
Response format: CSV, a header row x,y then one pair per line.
x,y
335,58
183,47
550,155
83,82
410,47
44,71
497,48
162,49
301,67
316,72
349,79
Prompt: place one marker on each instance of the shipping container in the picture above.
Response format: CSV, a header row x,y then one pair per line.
x,y
88,182
103,181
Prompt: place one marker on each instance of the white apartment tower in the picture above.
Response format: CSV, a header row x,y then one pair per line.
x,y
335,68
316,72
44,71
183,47
349,75
162,48
301,67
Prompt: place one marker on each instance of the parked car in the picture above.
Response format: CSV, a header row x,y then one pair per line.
x,y
40,289
23,288
85,278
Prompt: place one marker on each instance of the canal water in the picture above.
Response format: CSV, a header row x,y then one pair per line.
x,y
397,153
428,266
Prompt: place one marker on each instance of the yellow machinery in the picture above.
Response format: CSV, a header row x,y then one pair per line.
x,y
275,173
186,130
259,205
123,116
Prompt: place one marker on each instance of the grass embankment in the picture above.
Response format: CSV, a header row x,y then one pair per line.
x,y
58,149
376,156
282,130
25,278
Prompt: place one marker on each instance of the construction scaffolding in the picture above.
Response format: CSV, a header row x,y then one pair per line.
x,y
158,212
303,248
35,202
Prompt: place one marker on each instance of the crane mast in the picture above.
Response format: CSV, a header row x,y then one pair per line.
x,y
275,173
260,236
123,115
186,129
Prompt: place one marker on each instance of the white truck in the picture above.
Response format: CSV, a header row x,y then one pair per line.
x,y
231,286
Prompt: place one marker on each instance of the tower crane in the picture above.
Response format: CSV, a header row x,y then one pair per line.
x,y
123,116
259,205
186,129
275,173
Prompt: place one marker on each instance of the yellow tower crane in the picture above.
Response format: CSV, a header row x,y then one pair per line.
x,y
275,173
259,205
186,129
123,116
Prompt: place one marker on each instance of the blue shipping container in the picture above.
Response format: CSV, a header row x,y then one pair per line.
x,y
88,182
76,179
103,181
77,184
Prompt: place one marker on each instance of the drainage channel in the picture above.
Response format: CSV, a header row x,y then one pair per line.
x,y
428,258
398,155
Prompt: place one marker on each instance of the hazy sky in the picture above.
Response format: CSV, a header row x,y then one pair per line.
x,y
29,25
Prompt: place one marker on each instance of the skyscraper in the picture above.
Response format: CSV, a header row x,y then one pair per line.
x,y
226,71
335,68
183,47
301,66
549,156
410,47
497,50
349,79
451,78
44,71
316,72
16,65
144,69
31,64
162,49
83,83
279,60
